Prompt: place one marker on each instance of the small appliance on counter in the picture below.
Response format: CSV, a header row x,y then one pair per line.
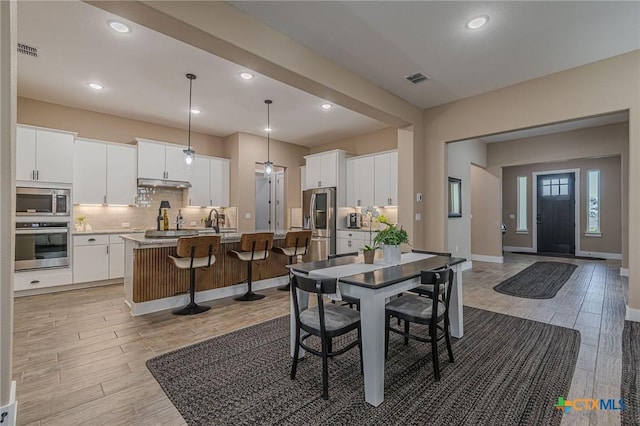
x,y
354,221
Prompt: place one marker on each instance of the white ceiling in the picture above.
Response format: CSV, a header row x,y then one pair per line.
x,y
384,41
144,72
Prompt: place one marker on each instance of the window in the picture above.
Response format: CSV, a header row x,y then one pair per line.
x,y
521,215
455,197
555,187
593,202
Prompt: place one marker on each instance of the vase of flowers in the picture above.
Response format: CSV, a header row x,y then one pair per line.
x,y
390,238
369,251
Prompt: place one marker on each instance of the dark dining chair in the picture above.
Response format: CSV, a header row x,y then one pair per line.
x,y
427,289
349,301
431,312
325,322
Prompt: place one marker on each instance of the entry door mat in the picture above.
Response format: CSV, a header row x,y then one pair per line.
x,y
630,388
542,280
507,371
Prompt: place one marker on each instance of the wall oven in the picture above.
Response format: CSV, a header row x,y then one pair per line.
x,y
42,245
43,201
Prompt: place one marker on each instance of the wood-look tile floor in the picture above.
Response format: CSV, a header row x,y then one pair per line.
x,y
79,356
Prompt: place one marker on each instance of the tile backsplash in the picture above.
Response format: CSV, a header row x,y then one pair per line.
x,y
143,215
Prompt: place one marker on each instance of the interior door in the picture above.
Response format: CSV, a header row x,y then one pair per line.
x,y
556,213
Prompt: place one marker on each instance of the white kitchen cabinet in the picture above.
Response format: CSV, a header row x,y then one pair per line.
x,y
44,155
219,182
158,160
386,179
351,241
104,173
116,257
324,169
210,182
89,172
90,258
360,181
122,187
35,280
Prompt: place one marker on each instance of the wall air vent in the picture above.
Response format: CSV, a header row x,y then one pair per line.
x,y
417,77
28,50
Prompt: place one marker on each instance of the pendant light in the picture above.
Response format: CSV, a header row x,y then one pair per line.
x,y
268,165
189,153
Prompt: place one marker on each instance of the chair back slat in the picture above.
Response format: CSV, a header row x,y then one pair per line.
x,y
314,285
200,246
440,277
297,239
256,241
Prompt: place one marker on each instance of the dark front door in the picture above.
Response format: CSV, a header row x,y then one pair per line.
x,y
556,213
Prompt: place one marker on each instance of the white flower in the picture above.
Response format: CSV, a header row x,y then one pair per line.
x,y
370,211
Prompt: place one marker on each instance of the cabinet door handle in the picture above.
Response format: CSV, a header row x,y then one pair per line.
x,y
107,249
91,239
166,175
189,201
37,174
319,184
35,282
349,243
104,199
33,175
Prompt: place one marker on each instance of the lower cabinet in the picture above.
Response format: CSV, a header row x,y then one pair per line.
x,y
33,280
97,257
351,241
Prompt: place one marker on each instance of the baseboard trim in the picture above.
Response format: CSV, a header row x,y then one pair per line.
x,y
66,287
490,259
632,314
516,249
614,256
466,265
624,272
143,308
8,412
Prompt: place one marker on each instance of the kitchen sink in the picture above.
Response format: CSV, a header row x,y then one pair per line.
x,y
152,233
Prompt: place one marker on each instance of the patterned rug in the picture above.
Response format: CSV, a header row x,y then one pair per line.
x,y
631,373
542,280
507,371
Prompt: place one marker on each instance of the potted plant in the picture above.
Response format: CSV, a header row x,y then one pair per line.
x,y
369,251
390,238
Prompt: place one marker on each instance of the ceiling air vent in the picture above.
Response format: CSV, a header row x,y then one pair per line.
x,y
28,50
417,77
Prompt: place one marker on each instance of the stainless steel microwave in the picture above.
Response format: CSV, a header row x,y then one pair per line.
x,y
43,201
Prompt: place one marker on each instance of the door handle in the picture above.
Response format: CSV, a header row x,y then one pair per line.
x,y
538,218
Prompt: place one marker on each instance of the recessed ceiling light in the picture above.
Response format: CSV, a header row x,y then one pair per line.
x,y
195,111
118,26
246,75
326,106
477,22
95,86
267,129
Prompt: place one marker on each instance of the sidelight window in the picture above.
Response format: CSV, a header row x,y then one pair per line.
x,y
521,216
593,202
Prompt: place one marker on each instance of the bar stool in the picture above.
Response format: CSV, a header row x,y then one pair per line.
x,y
295,243
192,253
253,247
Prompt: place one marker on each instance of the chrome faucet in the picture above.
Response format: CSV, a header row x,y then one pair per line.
x,y
216,227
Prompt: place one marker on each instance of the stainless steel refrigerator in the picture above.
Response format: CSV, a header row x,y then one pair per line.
x,y
319,215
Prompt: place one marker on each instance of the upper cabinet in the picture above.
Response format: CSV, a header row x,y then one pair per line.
x,y
104,173
386,179
209,182
158,160
325,169
372,180
360,181
44,155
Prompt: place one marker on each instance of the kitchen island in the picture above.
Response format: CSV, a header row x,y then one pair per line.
x,y
152,283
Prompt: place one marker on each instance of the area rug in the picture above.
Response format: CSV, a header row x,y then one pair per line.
x,y
631,373
507,370
542,280
566,256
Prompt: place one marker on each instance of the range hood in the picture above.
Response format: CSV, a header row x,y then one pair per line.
x,y
164,183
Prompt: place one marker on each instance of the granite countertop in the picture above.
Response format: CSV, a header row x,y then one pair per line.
x,y
359,230
110,231
227,237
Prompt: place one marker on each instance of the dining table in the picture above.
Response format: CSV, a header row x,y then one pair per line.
x,y
373,284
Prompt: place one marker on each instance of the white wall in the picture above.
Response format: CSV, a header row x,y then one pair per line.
x,y
460,156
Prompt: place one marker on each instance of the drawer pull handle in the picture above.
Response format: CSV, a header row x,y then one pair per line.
x,y
92,239
35,282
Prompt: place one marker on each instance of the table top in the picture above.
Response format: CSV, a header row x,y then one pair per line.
x,y
384,276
